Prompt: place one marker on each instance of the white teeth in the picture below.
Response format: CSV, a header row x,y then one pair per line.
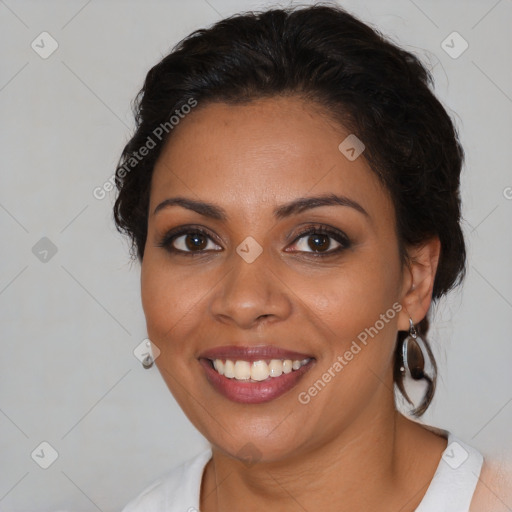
x,y
219,366
258,370
229,369
275,367
242,370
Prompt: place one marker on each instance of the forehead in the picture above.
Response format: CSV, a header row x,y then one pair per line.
x,y
268,151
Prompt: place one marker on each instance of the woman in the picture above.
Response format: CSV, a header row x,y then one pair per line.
x,y
292,194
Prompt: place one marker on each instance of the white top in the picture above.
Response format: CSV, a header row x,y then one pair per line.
x,y
450,490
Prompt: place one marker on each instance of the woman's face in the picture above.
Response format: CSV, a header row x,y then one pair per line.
x,y
255,288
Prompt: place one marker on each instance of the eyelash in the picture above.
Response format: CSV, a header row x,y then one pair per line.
x,y
338,236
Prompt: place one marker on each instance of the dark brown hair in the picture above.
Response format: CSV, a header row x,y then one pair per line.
x,y
364,81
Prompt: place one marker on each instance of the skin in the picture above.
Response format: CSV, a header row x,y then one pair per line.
x,y
348,449
493,492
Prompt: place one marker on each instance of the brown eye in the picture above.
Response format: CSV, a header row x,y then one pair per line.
x,y
195,241
321,241
188,241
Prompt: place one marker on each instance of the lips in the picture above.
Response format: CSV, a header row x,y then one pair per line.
x,y
247,390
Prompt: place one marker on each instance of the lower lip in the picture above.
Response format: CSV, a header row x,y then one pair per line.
x,y
253,392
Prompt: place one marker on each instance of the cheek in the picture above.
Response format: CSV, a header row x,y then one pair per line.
x,y
160,293
172,298
355,294
354,316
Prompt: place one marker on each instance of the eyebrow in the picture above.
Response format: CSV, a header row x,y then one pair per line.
x,y
286,210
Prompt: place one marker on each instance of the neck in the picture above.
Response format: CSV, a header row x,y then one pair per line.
x,y
360,468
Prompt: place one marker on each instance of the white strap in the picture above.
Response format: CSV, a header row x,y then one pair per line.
x,y
455,479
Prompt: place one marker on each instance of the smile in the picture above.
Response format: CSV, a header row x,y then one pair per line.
x,y
254,375
258,370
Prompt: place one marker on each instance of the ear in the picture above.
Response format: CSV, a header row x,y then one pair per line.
x,y
418,281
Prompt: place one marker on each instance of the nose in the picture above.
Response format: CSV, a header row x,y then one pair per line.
x,y
251,294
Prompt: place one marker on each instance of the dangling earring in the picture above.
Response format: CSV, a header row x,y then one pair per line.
x,y
147,362
413,359
152,353
418,363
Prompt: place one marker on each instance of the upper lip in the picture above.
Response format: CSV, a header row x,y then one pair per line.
x,y
253,353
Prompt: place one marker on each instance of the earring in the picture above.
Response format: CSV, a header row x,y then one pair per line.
x,y
147,353
147,362
413,359
418,363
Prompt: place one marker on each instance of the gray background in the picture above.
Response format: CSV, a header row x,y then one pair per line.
x,y
70,322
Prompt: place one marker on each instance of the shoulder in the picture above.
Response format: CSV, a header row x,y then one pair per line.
x,y
493,492
176,490
453,484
